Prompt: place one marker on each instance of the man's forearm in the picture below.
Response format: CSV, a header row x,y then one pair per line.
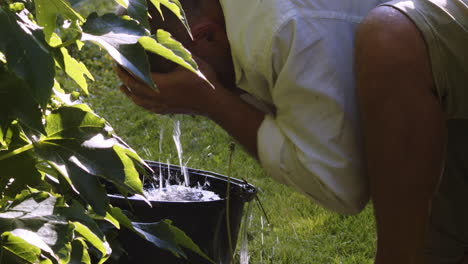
x,y
237,117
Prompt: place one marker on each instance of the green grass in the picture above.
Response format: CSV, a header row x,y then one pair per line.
x,y
300,232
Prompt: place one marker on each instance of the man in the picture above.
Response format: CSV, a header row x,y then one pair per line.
x,y
297,59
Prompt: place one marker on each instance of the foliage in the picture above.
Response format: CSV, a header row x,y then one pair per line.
x,y
56,154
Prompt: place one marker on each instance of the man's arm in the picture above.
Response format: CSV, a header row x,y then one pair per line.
x,y
182,92
405,131
237,117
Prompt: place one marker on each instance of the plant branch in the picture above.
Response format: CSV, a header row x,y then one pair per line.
x,y
232,147
69,42
1,249
16,152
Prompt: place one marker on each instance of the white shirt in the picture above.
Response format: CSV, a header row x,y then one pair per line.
x,y
297,57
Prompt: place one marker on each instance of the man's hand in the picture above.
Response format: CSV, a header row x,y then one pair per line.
x,y
180,91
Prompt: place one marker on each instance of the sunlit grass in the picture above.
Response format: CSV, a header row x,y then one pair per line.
x,y
300,232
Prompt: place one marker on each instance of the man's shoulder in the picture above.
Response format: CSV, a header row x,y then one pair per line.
x,y
390,33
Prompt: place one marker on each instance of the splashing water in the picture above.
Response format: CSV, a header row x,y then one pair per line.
x,y
178,193
244,241
161,177
176,137
164,191
168,172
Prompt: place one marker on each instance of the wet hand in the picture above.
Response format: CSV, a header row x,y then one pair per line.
x,y
180,91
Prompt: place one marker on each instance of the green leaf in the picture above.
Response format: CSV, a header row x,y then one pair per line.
x,y
2,58
33,239
31,217
133,177
73,68
16,136
123,3
157,5
16,102
121,217
142,167
80,147
17,173
79,253
164,45
79,44
138,9
112,29
16,7
78,118
168,237
84,183
3,142
93,239
26,55
162,234
76,212
18,164
47,12
110,219
5,135
28,205
107,218
81,162
120,38
20,248
21,197
76,70
45,261
89,188
175,7
55,173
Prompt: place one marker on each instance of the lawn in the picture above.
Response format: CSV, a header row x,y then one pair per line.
x,y
300,232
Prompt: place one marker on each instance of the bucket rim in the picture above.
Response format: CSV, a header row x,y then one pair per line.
x,y
247,194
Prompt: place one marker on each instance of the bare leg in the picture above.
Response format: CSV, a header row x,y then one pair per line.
x,y
405,132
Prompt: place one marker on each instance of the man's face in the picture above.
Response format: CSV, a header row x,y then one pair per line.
x,y
217,53
211,43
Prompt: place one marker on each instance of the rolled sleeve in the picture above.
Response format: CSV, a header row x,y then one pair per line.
x,y
313,142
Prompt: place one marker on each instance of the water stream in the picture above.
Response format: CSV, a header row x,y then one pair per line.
x,y
176,137
161,177
244,256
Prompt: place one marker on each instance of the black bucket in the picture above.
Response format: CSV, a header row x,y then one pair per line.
x,y
203,222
